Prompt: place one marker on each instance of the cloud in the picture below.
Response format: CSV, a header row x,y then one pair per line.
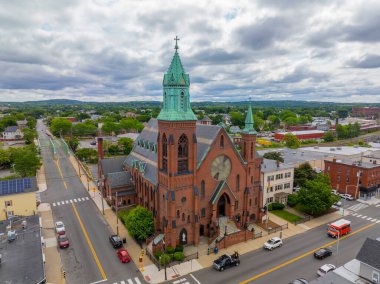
x,y
365,62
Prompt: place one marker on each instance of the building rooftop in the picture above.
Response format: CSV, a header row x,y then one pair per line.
x,y
11,129
369,253
112,165
271,165
18,185
303,132
22,260
342,150
120,179
352,162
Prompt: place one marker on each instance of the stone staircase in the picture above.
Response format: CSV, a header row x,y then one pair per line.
x,y
223,223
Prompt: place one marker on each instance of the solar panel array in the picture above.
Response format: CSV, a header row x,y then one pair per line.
x,y
14,186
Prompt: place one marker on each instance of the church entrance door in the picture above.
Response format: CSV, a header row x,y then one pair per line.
x,y
222,206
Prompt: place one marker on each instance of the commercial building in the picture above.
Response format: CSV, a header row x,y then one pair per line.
x,y
342,152
18,197
366,111
360,179
301,135
276,181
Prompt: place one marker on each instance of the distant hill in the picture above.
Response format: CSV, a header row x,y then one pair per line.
x,y
57,102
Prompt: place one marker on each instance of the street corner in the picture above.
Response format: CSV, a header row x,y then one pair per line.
x,y
42,187
43,207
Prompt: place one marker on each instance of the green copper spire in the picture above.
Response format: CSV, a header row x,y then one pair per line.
x,y
176,84
249,121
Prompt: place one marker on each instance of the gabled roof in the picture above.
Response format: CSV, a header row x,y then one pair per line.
x,y
120,179
370,253
112,165
206,118
11,129
222,184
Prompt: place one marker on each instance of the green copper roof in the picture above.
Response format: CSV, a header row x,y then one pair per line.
x,y
249,122
176,85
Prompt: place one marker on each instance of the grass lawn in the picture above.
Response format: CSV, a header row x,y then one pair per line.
x,y
290,217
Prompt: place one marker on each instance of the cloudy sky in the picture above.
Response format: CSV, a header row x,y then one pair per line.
x,y
118,50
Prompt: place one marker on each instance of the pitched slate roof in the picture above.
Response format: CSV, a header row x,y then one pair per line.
x,y
369,253
11,129
112,165
120,179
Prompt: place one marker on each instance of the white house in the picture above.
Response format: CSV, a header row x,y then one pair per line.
x,y
276,181
12,133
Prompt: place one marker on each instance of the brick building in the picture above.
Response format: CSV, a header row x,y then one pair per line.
x,y
191,174
301,135
360,179
366,111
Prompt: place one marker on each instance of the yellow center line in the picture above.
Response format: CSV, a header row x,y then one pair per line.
x,y
303,255
60,172
89,243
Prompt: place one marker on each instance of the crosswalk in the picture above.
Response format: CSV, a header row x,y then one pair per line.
x,y
181,281
357,207
70,201
129,281
367,218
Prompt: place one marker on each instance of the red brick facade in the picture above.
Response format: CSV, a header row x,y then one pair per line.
x,y
366,111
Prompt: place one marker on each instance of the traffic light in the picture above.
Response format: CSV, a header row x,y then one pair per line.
x,y
63,274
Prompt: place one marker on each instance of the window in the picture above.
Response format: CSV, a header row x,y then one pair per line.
x,y
244,150
203,212
178,214
271,189
375,277
251,179
222,141
183,216
328,168
250,202
188,218
237,183
288,175
183,154
236,204
286,185
278,187
164,153
251,150
8,203
203,190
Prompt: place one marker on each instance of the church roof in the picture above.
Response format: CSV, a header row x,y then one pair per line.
x,y
144,153
176,75
120,179
112,165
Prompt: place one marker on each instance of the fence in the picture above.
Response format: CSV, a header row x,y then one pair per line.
x,y
152,258
303,220
276,229
258,235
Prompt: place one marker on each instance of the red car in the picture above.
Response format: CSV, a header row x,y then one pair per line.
x,y
63,241
123,255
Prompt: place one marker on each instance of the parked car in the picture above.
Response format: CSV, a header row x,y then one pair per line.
x,y
322,253
347,196
324,269
338,204
273,243
63,241
116,241
93,142
226,261
334,191
123,255
60,228
299,281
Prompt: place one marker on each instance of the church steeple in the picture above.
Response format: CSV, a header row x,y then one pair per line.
x,y
249,121
176,84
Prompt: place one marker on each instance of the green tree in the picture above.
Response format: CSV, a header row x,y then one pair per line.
x,y
29,135
259,123
26,162
7,121
328,136
84,129
164,259
274,121
87,154
143,117
291,141
139,223
111,127
4,158
303,173
130,124
216,119
125,144
274,156
237,119
315,196
73,143
60,125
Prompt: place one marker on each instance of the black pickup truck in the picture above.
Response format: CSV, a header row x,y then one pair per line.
x,y
226,261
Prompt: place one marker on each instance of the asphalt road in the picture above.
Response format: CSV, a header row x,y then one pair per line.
x,y
294,259
90,257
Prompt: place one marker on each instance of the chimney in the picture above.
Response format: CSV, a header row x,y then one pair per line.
x,y
100,148
278,164
374,162
334,160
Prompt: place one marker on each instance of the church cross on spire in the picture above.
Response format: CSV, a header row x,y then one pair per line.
x,y
176,42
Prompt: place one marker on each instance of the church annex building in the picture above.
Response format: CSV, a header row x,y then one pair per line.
x,y
189,175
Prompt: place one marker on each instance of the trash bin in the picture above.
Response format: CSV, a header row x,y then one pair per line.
x,y
216,250
124,240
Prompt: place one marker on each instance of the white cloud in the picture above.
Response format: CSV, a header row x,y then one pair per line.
x,y
114,50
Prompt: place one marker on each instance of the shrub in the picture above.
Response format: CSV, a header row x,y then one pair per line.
x,y
170,250
292,200
179,248
179,256
277,206
270,207
164,259
157,254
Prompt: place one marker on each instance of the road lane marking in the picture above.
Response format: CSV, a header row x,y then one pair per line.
x,y
195,279
100,281
364,217
71,201
58,203
60,172
354,214
89,199
377,222
75,200
129,281
137,280
373,220
369,219
67,202
54,204
359,215
90,243
303,255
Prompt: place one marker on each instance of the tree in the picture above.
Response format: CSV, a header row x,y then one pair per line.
x,y
274,121
26,162
143,117
73,143
328,136
126,145
303,173
216,119
274,156
139,223
114,149
291,141
237,118
111,127
84,129
4,158
316,196
87,154
29,135
60,125
130,124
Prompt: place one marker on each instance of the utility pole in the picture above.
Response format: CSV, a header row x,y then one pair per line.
x,y
337,250
358,174
117,217
100,183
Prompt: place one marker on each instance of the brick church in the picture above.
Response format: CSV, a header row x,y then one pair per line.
x,y
188,174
